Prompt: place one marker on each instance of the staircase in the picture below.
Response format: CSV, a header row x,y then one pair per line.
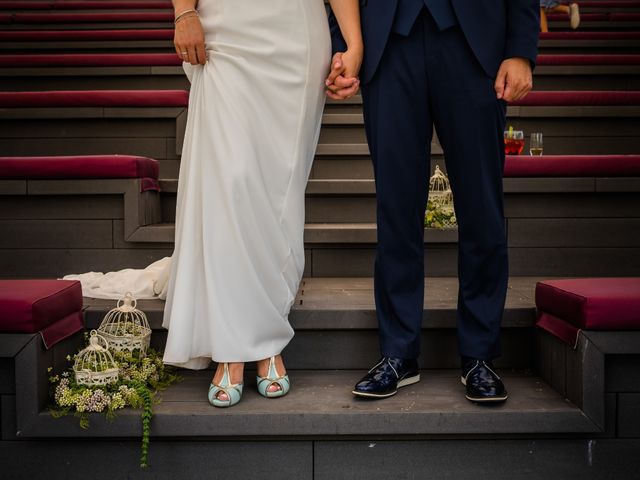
x,y
592,227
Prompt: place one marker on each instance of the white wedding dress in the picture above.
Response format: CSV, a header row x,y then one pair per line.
x,y
253,123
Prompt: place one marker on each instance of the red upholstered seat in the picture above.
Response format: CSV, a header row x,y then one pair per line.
x,y
572,166
86,35
558,60
589,35
83,166
92,17
79,5
90,60
95,98
51,307
611,4
580,98
567,306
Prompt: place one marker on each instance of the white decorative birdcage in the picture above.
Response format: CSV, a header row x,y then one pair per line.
x,y
126,328
94,365
440,211
440,190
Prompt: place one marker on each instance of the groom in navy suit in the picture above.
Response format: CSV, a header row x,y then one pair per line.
x,y
452,64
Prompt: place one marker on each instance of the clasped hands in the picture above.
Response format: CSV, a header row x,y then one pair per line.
x,y
342,81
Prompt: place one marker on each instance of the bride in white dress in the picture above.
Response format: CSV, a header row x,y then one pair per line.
x,y
257,72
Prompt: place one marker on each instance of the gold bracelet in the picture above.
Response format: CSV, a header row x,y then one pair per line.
x,y
178,17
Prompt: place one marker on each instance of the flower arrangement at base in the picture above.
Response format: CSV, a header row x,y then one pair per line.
x,y
438,217
139,380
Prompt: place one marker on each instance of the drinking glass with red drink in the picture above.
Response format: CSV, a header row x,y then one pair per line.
x,y
513,141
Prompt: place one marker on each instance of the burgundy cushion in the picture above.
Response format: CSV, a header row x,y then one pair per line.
x,y
92,17
90,60
580,98
52,307
83,166
86,35
572,166
589,35
611,4
95,98
588,60
567,306
624,17
77,5
585,17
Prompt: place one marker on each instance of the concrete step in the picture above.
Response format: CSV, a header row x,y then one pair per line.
x,y
320,403
336,326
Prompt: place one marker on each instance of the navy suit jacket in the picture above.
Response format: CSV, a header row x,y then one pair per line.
x,y
495,30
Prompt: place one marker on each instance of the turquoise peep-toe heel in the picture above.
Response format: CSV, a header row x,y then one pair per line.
x,y
233,391
273,378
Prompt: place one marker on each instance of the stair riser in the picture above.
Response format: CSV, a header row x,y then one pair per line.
x,y
359,349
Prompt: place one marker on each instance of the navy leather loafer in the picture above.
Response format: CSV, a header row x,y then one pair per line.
x,y
384,379
482,382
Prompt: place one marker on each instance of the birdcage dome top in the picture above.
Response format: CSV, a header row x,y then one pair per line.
x,y
439,181
126,327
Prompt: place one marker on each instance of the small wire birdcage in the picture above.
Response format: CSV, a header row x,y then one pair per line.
x,y
126,327
440,191
440,209
94,365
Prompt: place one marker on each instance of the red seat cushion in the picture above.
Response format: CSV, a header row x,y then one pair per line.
x,y
91,60
572,166
82,5
559,60
83,166
51,307
580,98
86,35
92,17
95,98
567,306
589,35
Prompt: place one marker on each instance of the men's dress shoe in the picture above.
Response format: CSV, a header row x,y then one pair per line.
x,y
389,374
482,382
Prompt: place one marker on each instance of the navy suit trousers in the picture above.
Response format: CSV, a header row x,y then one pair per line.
x,y
432,78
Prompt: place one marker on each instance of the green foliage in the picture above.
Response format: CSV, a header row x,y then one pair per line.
x,y
140,379
436,217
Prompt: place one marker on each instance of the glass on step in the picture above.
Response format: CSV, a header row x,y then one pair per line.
x,y
536,144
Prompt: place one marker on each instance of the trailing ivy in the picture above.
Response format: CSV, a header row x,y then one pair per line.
x,y
140,379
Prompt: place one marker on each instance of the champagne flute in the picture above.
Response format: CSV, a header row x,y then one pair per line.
x,y
535,144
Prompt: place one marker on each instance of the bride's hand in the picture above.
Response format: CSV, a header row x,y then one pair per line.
x,y
189,37
342,81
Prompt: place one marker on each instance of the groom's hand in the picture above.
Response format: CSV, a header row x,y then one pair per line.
x,y
514,79
340,87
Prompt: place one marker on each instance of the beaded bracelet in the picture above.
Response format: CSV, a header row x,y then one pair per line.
x,y
178,17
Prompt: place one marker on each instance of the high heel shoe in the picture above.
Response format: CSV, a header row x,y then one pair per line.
x,y
273,378
233,391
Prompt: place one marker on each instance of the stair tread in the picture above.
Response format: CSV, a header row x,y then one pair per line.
x,y
321,403
348,303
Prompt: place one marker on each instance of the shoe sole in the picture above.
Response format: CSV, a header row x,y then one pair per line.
x,y
483,399
402,383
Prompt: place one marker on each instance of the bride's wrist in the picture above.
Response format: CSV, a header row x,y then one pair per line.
x,y
187,13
